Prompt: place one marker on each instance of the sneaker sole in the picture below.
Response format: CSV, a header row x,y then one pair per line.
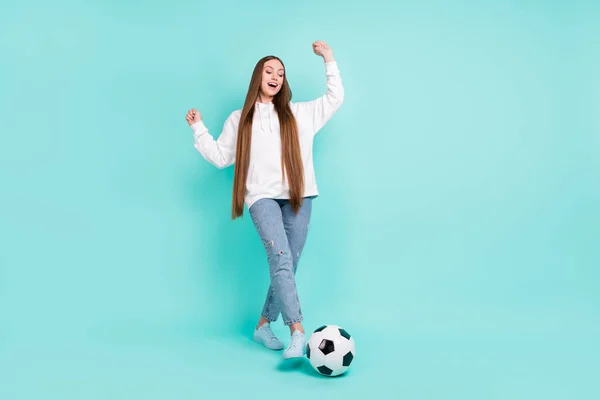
x,y
259,341
288,356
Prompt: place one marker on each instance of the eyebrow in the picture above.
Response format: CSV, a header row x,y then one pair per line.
x,y
268,66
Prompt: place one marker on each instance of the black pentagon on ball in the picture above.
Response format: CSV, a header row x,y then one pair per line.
x,y
308,350
319,329
348,359
324,370
344,333
327,346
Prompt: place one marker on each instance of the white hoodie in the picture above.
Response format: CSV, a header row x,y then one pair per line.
x,y
264,173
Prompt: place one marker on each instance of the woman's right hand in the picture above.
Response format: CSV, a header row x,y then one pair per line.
x,y
193,116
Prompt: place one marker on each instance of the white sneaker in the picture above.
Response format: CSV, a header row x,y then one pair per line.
x,y
265,335
296,347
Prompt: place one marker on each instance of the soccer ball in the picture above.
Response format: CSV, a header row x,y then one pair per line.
x,y
330,350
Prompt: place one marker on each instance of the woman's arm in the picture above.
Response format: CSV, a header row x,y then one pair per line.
x,y
322,109
220,152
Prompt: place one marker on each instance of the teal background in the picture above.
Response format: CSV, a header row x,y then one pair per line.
x,y
456,235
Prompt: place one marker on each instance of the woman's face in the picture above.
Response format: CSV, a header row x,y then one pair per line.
x,y
272,78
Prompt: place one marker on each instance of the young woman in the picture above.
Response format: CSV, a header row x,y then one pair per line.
x,y
270,141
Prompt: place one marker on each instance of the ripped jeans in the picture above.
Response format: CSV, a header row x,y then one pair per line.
x,y
283,235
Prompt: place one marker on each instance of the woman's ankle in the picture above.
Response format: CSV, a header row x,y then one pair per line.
x,y
262,321
296,327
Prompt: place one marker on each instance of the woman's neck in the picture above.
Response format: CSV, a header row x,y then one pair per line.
x,y
264,99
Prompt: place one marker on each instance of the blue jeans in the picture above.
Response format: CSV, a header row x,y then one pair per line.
x,y
283,235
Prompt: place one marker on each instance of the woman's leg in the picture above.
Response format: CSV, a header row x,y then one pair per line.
x,y
296,230
282,296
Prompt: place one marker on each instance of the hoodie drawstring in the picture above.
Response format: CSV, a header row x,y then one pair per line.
x,y
270,121
261,118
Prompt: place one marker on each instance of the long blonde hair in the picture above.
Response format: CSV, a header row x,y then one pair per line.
x,y
291,158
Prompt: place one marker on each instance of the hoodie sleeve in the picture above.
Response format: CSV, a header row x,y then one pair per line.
x,y
319,111
220,152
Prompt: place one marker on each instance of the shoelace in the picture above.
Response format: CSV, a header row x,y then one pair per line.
x,y
296,341
269,334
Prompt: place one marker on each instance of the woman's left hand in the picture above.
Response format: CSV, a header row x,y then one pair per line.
x,y
322,49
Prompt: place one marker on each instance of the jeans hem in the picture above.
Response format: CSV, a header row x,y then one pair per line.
x,y
268,318
293,321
